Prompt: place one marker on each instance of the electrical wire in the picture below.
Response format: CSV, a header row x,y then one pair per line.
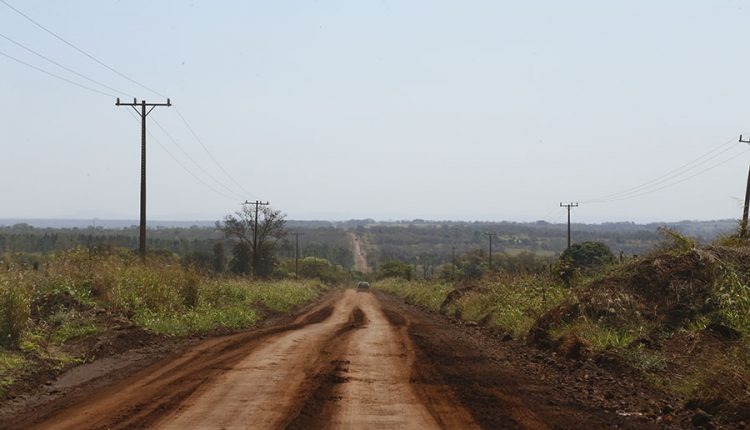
x,y
90,56
57,76
80,75
60,38
727,160
195,135
672,174
176,160
205,172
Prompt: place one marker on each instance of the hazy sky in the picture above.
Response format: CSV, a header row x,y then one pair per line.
x,y
487,110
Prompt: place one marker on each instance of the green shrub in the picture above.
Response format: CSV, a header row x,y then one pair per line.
x,y
586,255
394,269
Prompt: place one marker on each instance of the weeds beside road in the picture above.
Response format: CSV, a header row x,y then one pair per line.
x,y
679,318
79,307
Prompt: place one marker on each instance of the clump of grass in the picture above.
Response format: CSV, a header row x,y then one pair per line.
x,y
431,295
12,365
509,302
197,321
601,337
73,329
732,295
228,305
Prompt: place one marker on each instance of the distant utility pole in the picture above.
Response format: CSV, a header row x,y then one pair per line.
x,y
143,113
569,205
296,254
743,225
257,204
453,261
490,235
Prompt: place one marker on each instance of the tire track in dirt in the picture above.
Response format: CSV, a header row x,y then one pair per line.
x,y
143,398
266,386
371,386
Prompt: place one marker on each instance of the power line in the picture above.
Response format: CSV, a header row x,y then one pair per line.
x,y
60,38
90,56
56,76
195,135
62,66
205,172
674,173
179,163
727,160
101,92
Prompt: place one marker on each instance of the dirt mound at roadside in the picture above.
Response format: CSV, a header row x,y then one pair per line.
x,y
679,307
662,290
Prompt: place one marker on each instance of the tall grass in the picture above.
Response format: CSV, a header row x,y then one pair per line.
x,y
14,309
161,296
427,294
509,302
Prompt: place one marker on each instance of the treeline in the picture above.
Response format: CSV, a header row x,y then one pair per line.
x,y
434,244
196,245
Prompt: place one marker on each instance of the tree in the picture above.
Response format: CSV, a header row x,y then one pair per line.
x,y
588,255
270,231
219,259
241,259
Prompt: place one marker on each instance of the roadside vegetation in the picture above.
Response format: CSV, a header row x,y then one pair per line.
x,y
74,306
679,315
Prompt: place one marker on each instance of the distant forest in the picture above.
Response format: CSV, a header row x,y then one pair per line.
x,y
408,241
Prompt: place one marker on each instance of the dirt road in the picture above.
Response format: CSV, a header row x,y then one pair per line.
x,y
356,360
360,257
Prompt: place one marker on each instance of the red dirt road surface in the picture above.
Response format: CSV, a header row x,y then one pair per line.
x,y
355,360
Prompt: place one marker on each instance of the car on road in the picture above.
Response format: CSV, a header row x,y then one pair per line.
x,y
363,286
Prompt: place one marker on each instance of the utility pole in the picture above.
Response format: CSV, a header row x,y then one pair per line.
x,y
143,113
296,254
569,205
453,261
490,235
743,225
257,204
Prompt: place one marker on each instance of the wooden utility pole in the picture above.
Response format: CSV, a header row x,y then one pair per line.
x,y
257,204
569,205
490,235
453,261
143,113
296,254
743,224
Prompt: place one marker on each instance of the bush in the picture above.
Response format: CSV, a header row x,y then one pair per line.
x,y
394,269
587,255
